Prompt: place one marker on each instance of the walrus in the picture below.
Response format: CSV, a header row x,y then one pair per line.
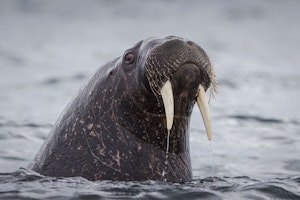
x,y
131,120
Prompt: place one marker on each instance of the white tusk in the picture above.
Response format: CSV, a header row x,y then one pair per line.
x,y
204,109
168,100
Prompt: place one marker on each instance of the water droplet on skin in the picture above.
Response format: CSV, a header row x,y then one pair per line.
x,y
157,99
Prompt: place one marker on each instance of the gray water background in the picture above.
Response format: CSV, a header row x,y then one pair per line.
x,y
49,49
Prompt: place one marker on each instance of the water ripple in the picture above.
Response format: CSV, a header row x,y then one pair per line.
x,y
25,184
57,80
256,118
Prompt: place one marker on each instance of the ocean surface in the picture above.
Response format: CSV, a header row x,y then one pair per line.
x,y
49,49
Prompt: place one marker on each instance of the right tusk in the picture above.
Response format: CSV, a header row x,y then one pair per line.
x,y
204,109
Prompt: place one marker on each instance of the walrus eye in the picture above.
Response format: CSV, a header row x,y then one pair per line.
x,y
129,58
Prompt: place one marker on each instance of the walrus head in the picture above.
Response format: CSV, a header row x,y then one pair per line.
x,y
130,122
175,73
182,66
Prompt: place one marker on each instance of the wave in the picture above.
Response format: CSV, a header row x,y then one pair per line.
x,y
25,184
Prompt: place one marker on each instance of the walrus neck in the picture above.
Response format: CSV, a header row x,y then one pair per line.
x,y
146,120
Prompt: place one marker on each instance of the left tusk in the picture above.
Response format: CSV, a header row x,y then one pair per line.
x,y
204,109
168,100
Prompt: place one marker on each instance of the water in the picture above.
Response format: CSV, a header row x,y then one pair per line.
x,y
28,185
48,49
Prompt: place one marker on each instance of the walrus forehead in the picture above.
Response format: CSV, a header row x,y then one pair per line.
x,y
151,43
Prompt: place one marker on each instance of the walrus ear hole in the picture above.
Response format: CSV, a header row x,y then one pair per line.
x,y
129,58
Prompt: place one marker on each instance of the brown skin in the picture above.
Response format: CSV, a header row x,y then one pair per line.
x,y
115,129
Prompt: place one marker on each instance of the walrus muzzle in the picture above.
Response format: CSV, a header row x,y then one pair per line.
x,y
168,100
161,67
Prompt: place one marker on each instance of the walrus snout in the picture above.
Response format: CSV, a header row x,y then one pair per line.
x,y
180,72
185,81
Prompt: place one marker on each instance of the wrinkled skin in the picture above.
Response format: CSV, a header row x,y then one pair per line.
x,y
115,129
